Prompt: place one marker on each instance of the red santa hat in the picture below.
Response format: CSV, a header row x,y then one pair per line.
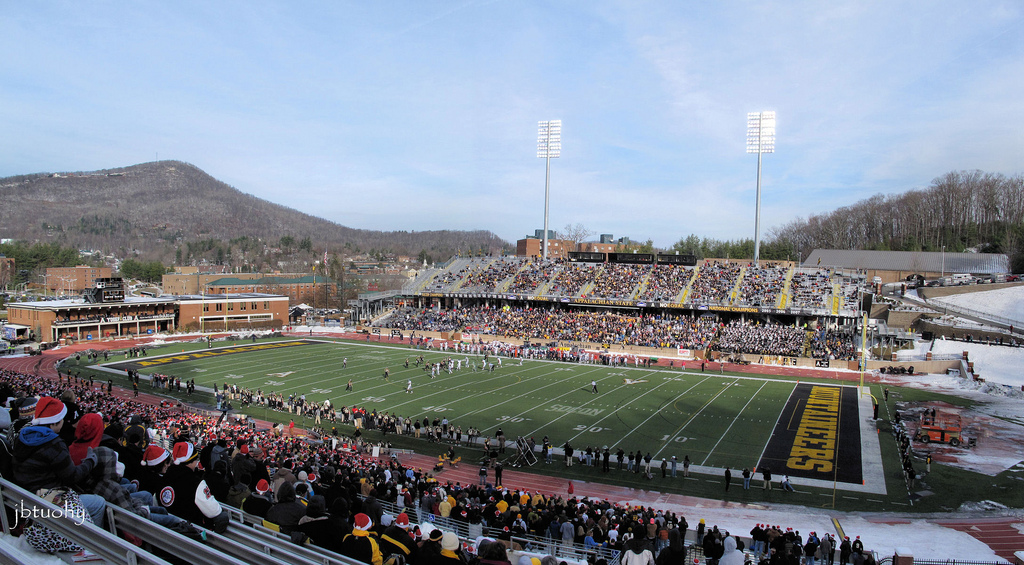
x,y
402,521
154,455
244,450
184,452
362,522
263,487
49,411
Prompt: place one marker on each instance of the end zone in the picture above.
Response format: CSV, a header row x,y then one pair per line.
x,y
825,437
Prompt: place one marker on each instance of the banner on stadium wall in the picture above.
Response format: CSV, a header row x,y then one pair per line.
x,y
600,302
685,353
733,309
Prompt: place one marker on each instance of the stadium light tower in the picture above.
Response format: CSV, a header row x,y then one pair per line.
x,y
549,146
760,139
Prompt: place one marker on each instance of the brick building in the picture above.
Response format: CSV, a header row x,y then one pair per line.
x,y
111,314
534,247
315,290
73,280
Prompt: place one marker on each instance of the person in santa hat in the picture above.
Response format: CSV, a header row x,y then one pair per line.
x,y
396,539
41,459
186,494
258,503
155,462
361,544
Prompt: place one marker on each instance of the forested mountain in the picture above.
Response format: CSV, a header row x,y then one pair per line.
x,y
176,213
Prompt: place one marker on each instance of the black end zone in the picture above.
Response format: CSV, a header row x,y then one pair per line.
x,y
817,436
151,363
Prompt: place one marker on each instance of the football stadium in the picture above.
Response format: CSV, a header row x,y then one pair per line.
x,y
721,380
287,284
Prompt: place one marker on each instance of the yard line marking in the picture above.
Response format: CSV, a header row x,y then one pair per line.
x,y
731,425
784,404
550,422
675,434
666,381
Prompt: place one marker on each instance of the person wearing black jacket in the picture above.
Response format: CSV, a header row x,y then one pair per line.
x,y
396,539
288,511
258,502
845,550
186,494
317,525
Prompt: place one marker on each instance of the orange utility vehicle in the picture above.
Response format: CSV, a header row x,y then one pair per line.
x,y
939,429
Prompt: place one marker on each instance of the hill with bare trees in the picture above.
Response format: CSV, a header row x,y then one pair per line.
x,y
175,213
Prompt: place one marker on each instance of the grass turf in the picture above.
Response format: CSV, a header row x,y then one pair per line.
x,y
717,420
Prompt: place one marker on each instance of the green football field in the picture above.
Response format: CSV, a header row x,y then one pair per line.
x,y
717,420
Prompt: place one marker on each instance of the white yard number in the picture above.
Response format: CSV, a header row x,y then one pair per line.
x,y
594,429
374,399
511,419
321,390
436,408
274,383
679,439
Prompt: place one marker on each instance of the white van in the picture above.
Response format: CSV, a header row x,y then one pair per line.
x,y
960,279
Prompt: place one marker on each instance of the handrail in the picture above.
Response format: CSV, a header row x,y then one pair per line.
x,y
217,550
465,531
248,529
89,536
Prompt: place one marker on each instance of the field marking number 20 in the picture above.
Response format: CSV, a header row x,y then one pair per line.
x,y
594,429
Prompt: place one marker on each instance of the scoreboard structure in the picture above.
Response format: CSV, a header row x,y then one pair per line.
x,y
105,291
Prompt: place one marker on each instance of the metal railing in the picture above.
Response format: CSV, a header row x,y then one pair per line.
x,y
889,561
91,537
531,543
248,529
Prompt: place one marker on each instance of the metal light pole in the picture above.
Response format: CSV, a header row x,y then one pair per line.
x,y
760,139
549,146
943,275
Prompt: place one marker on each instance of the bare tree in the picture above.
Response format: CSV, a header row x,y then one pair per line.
x,y
576,234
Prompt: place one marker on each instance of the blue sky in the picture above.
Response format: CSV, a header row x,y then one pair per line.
x,y
423,115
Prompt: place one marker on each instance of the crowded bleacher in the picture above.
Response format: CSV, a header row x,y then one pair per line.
x,y
716,283
629,329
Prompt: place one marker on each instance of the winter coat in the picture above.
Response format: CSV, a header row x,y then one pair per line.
x,y
41,460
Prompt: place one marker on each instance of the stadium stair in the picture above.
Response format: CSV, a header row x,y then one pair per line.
x,y
544,289
784,295
640,288
427,279
837,299
503,288
586,289
735,294
472,272
681,299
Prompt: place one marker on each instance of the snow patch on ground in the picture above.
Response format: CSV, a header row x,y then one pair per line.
x,y
1004,302
929,540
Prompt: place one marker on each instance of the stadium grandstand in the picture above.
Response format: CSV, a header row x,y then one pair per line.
x,y
595,300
